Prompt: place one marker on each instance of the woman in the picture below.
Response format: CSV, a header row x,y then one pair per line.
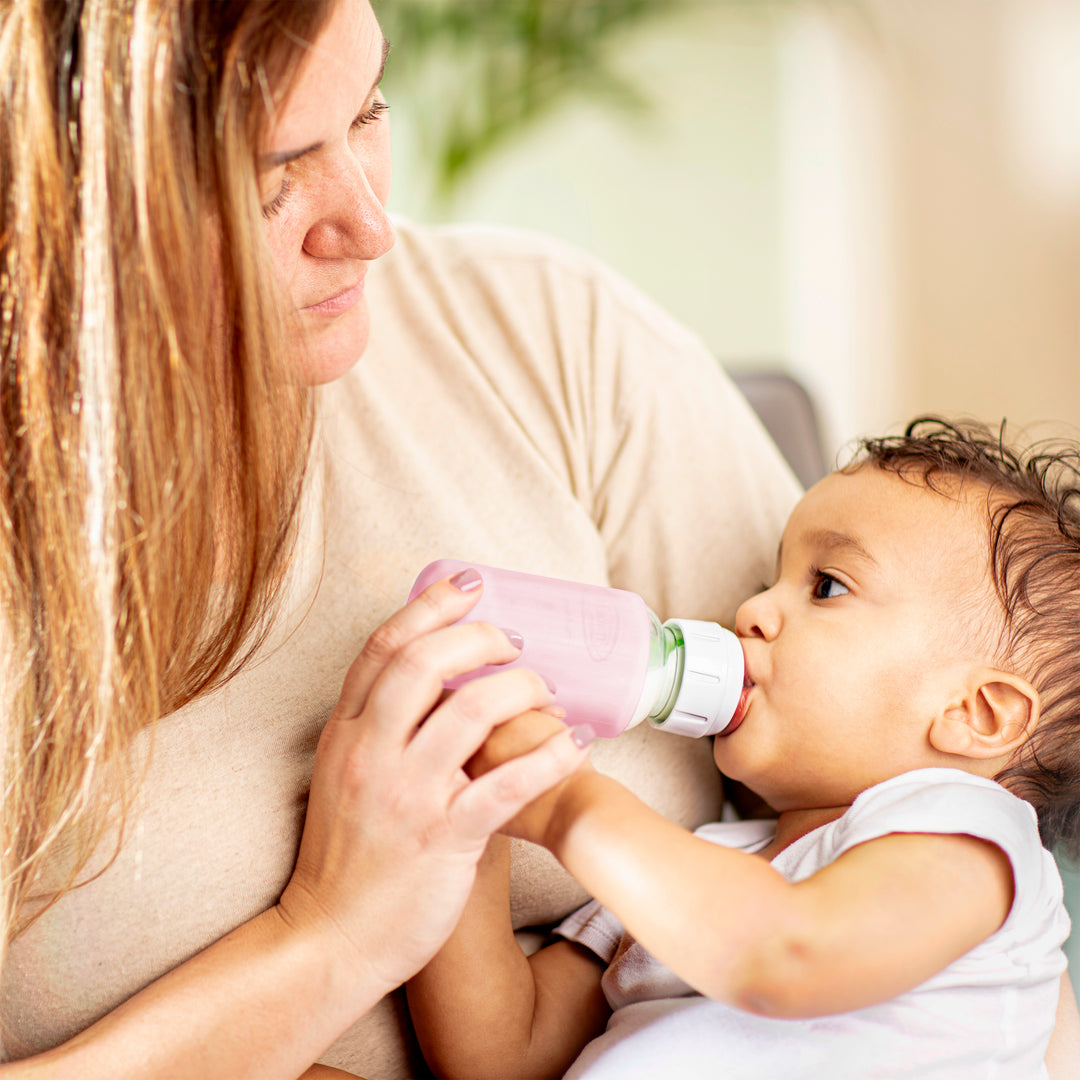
x,y
153,457
209,506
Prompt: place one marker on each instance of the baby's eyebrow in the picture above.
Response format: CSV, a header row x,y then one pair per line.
x,y
832,540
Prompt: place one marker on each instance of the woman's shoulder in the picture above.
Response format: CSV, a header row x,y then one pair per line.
x,y
479,245
511,269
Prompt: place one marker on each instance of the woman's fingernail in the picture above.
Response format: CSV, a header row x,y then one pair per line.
x,y
515,639
467,580
582,735
557,711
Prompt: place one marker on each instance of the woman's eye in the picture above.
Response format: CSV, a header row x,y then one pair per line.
x,y
371,114
826,587
278,201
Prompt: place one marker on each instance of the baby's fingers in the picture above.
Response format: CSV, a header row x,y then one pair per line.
x,y
487,803
524,732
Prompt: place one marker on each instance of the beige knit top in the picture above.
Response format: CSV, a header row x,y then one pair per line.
x,y
518,405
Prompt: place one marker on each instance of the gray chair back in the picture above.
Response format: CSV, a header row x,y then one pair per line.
x,y
786,410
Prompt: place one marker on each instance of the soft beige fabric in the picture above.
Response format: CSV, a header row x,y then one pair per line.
x,y
518,406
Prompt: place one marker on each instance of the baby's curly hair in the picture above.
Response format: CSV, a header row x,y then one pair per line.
x,y
1033,519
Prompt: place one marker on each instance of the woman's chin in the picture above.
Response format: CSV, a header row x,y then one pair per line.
x,y
330,347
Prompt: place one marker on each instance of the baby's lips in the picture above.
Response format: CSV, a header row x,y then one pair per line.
x,y
740,713
740,709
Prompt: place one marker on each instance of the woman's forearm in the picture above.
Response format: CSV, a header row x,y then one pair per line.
x,y
386,863
263,1002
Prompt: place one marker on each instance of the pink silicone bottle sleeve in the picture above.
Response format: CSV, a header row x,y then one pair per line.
x,y
588,641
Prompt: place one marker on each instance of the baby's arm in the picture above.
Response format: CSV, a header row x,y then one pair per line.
x,y
482,1009
876,922
1063,1053
881,919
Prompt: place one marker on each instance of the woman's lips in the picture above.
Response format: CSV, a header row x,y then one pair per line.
x,y
338,303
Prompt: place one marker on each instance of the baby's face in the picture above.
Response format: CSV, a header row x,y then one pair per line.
x,y
882,598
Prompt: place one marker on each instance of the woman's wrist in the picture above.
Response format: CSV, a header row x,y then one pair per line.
x,y
301,972
344,973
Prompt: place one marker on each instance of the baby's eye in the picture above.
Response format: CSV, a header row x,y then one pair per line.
x,y
826,587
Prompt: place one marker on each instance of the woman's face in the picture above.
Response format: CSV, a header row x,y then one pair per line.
x,y
324,180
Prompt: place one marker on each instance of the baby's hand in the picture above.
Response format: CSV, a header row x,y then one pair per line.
x,y
511,740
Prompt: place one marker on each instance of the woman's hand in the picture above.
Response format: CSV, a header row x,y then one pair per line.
x,y
518,737
395,826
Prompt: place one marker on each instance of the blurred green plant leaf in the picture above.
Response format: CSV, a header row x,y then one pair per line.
x,y
478,72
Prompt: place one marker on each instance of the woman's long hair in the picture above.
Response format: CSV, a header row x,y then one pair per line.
x,y
153,440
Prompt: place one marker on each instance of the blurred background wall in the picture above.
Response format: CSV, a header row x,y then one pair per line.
x,y
881,197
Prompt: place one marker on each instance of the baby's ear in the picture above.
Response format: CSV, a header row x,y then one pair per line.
x,y
994,714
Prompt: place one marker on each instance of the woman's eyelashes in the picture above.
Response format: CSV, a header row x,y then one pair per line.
x,y
278,201
824,586
371,114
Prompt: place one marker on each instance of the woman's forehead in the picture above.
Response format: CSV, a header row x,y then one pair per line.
x,y
342,68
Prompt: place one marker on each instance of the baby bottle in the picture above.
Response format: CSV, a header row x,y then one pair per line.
x,y
608,658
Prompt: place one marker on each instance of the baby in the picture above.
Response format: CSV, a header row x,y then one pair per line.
x,y
910,713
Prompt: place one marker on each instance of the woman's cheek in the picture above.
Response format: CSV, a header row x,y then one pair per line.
x,y
285,241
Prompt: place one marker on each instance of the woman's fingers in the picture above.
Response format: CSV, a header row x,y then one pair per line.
x,y
411,685
440,605
454,732
488,802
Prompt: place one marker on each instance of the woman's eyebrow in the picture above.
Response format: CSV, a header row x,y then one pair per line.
x,y
283,157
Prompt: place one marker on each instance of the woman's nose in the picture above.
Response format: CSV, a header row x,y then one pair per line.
x,y
759,616
353,223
